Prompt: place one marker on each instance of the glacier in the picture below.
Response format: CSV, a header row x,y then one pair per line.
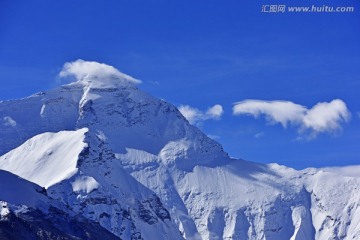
x,y
103,150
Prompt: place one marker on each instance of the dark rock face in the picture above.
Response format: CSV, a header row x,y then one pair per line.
x,y
158,208
35,225
151,210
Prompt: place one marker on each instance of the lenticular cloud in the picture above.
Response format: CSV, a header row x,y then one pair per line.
x,y
90,71
323,117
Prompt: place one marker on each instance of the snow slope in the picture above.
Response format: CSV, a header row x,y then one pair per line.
x,y
77,176
19,191
26,212
51,111
136,166
47,158
347,171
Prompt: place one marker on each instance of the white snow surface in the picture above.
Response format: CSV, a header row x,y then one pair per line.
x,y
16,190
347,171
47,158
138,167
84,183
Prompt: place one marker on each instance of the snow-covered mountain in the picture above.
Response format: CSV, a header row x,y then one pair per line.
x,y
26,212
103,151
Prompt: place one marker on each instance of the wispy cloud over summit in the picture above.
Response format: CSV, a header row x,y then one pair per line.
x,y
90,71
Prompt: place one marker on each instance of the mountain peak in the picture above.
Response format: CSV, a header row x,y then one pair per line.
x,y
131,162
96,75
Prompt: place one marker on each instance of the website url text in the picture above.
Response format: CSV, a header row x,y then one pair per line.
x,y
305,9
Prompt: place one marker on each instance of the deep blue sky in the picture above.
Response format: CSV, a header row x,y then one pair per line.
x,y
201,53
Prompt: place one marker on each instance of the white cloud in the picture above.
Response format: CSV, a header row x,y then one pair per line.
x,y
283,112
90,71
259,135
326,117
321,118
191,114
215,112
194,115
8,121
